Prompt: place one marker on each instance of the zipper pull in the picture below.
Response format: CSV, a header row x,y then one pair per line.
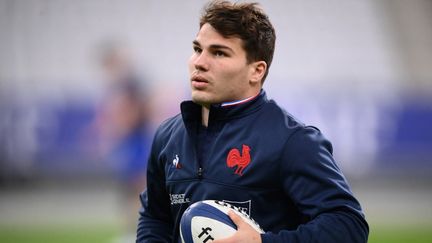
x,y
200,171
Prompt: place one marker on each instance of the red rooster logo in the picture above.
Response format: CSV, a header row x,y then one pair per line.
x,y
241,161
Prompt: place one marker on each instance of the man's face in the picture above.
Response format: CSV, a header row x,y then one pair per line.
x,y
218,68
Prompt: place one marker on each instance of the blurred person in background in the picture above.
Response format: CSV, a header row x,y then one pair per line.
x,y
122,126
232,143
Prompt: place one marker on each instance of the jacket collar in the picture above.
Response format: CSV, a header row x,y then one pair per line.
x,y
191,112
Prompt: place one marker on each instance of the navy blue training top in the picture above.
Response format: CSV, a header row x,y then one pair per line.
x,y
257,157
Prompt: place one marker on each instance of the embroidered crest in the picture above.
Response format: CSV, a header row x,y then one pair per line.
x,y
241,161
176,162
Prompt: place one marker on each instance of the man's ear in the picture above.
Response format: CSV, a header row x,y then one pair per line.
x,y
258,69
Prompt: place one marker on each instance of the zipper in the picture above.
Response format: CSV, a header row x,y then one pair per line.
x,y
200,172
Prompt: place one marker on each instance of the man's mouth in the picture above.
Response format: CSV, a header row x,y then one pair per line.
x,y
198,78
199,82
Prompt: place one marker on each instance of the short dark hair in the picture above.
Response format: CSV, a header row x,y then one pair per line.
x,y
246,21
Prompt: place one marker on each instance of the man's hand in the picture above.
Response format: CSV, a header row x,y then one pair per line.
x,y
245,233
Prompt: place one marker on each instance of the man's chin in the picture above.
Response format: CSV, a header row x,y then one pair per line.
x,y
202,100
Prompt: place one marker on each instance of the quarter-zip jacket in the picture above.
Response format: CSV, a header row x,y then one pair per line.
x,y
257,157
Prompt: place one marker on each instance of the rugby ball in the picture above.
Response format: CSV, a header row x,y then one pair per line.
x,y
208,220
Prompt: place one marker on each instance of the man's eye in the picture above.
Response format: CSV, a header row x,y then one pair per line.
x,y
197,49
219,54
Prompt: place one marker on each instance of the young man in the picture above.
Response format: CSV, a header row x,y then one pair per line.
x,y
231,143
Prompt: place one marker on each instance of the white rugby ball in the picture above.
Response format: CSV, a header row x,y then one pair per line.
x,y
208,220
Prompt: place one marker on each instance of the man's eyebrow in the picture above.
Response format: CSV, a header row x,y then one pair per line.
x,y
214,46
196,43
218,47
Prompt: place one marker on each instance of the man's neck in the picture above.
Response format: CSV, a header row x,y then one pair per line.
x,y
205,111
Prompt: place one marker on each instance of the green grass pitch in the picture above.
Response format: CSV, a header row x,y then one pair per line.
x,y
378,234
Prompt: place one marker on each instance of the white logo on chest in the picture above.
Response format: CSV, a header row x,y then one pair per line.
x,y
176,162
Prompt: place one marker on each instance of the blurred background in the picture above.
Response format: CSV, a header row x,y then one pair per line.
x,y
84,84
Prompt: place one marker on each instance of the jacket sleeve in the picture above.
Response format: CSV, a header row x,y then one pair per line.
x,y
311,178
155,220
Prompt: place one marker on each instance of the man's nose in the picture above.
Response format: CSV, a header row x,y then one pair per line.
x,y
201,62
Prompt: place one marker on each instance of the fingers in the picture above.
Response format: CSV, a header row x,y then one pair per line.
x,y
238,222
235,218
225,240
